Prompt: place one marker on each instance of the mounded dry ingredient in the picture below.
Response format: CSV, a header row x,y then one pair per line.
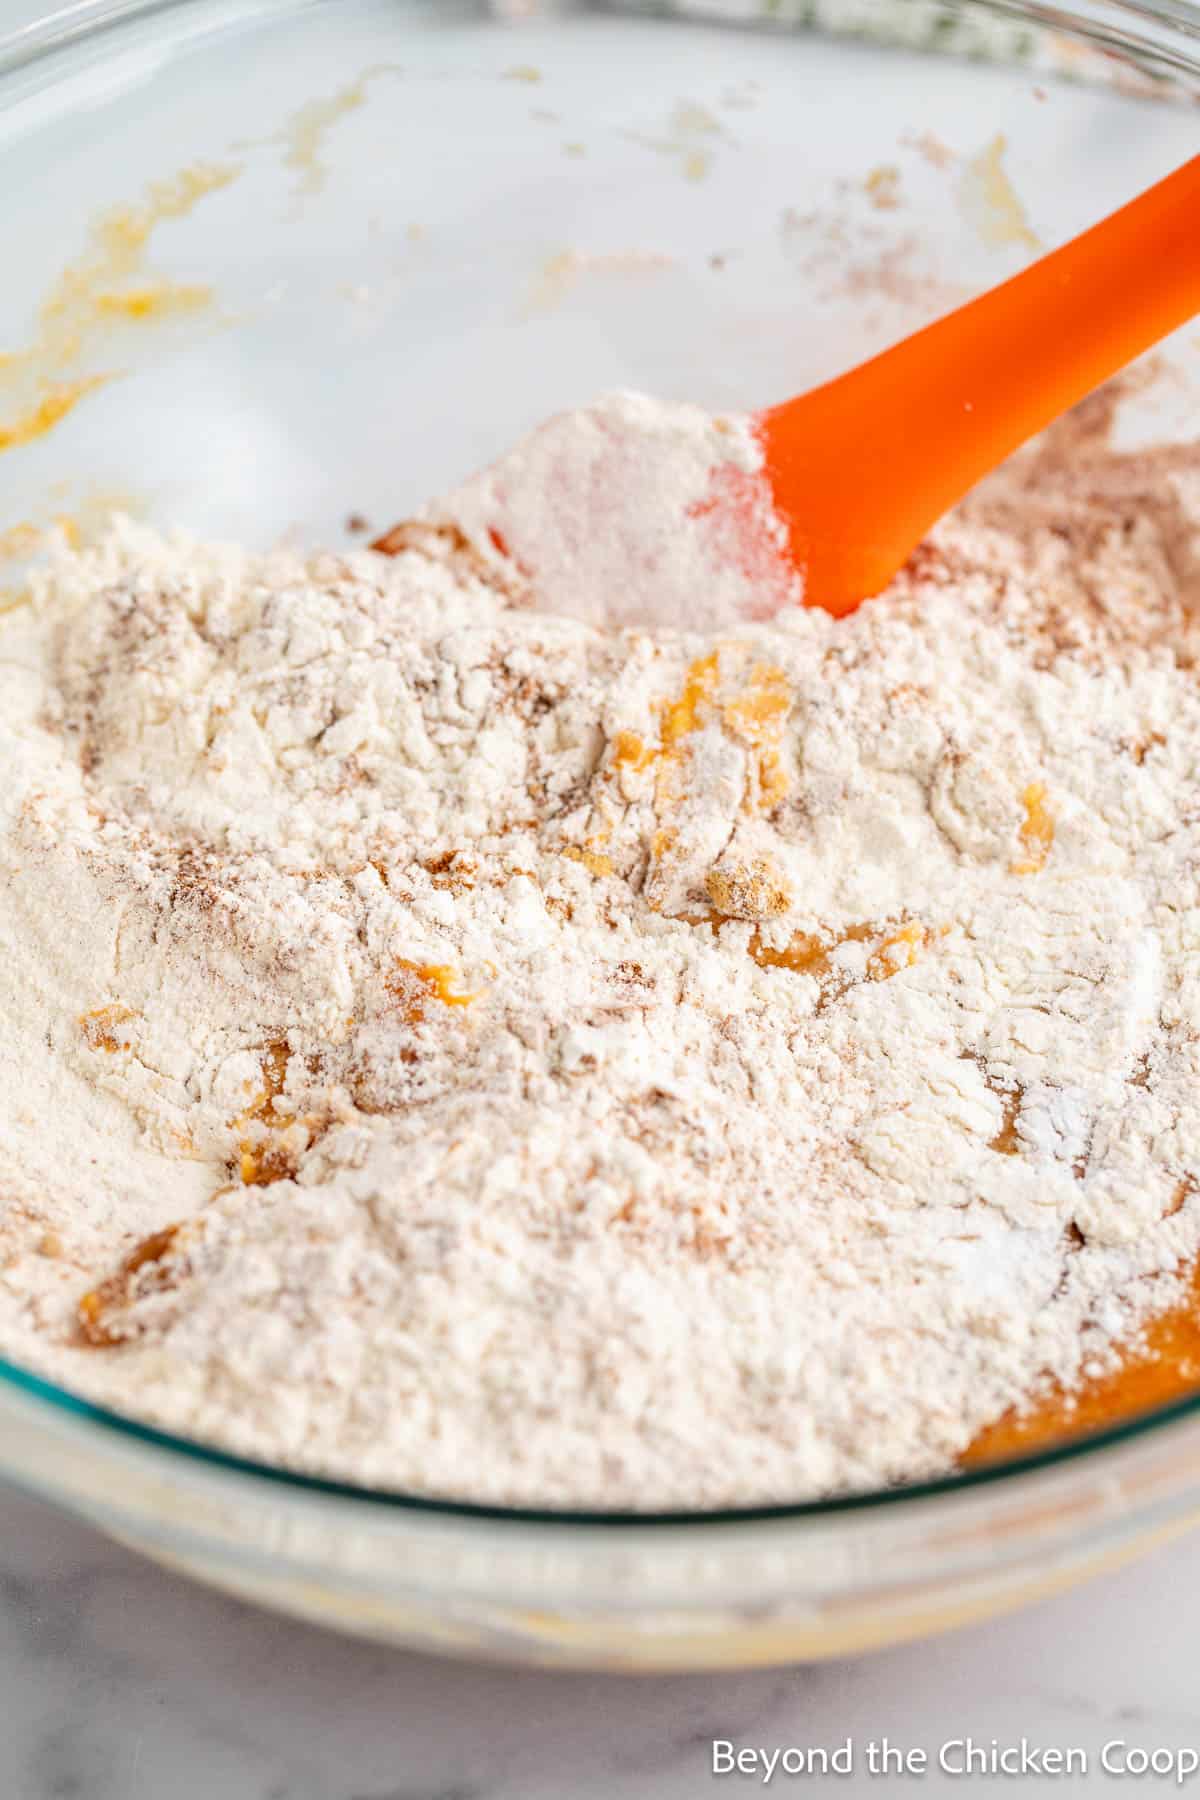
x,y
463,1049
629,512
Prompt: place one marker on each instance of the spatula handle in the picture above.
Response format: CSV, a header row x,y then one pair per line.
x,y
876,456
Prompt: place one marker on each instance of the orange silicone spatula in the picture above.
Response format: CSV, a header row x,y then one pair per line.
x,y
861,467
638,512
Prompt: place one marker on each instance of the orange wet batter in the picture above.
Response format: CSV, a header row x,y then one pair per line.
x,y
1165,1367
413,984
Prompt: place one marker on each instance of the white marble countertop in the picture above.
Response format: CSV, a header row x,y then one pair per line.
x,y
121,1682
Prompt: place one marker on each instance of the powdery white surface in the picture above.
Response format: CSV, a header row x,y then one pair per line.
x,y
668,1070
633,511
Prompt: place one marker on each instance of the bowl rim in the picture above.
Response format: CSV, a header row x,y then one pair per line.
x,y
81,20
994,1479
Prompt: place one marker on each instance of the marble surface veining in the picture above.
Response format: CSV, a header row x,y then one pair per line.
x,y
121,1682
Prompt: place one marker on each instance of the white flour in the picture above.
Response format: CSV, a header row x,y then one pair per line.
x,y
619,1069
630,512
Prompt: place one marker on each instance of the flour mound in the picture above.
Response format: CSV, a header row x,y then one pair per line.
x,y
458,1048
634,512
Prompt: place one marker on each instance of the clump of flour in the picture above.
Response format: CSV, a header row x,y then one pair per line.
x,y
634,512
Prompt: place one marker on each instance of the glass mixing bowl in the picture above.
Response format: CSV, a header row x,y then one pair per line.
x,y
276,268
